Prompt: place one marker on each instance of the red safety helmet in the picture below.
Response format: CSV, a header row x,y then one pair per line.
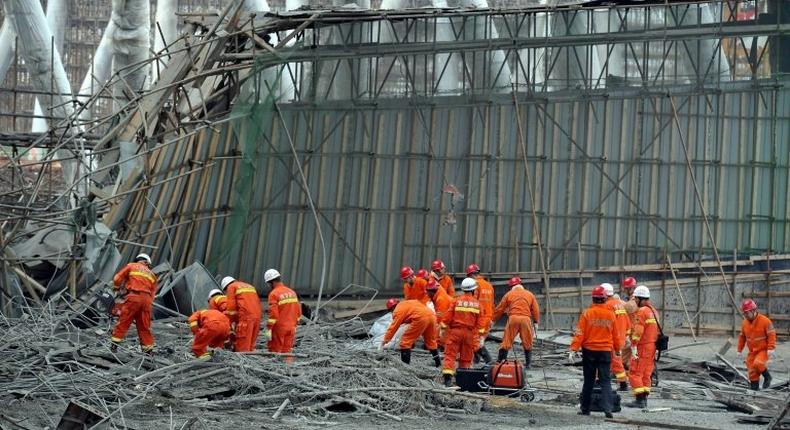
x,y
472,269
391,303
405,272
599,292
437,265
628,282
422,273
432,285
748,305
514,281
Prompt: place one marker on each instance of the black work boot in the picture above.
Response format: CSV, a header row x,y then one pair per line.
x,y
527,358
766,380
485,355
405,356
437,360
640,402
113,347
644,399
754,385
448,380
623,386
502,356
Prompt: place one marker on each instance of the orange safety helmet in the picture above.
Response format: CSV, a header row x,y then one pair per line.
x,y
628,282
472,269
391,303
422,273
437,265
514,281
432,285
405,272
748,305
599,292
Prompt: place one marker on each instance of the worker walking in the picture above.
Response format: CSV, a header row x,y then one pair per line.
x,y
136,283
465,324
413,286
284,313
630,306
643,347
217,301
441,304
758,333
523,316
244,312
597,337
624,329
485,295
422,323
211,329
445,281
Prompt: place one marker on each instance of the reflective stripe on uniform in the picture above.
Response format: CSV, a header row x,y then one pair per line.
x,y
246,290
640,390
271,321
620,312
147,347
143,275
650,321
116,339
472,310
620,375
448,372
193,323
288,301
230,312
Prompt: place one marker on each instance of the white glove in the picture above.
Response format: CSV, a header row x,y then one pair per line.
x,y
771,353
535,331
381,346
634,354
740,353
482,341
268,334
572,356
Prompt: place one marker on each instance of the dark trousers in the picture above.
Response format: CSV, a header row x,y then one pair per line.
x,y
597,363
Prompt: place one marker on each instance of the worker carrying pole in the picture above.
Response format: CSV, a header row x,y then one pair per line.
x,y
643,347
596,336
758,333
485,295
464,324
422,323
136,283
211,329
523,316
284,314
623,328
244,312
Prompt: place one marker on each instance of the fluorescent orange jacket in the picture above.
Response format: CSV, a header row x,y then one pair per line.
x,y
218,303
597,330
519,302
416,290
242,300
137,277
759,334
441,303
646,328
406,312
465,312
284,307
485,295
207,317
623,320
446,282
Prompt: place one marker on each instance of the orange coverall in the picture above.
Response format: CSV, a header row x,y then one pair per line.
x,y
421,321
211,328
244,309
485,295
522,309
140,283
416,290
597,330
760,336
218,303
630,307
446,282
465,324
624,329
644,336
441,304
284,314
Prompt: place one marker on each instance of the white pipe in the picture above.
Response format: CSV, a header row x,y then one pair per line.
x,y
101,68
445,66
130,46
167,22
57,13
499,69
7,37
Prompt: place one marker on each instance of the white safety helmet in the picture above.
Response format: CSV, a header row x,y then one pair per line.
x,y
143,256
226,281
271,275
213,293
608,288
468,284
642,292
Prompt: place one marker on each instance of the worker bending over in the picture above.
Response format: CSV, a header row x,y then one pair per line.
x,y
523,316
422,323
284,313
643,347
465,324
758,333
244,312
445,281
136,283
623,329
217,301
211,329
597,337
485,295
413,286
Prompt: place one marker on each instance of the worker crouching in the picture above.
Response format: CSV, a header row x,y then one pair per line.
x,y
284,314
758,333
523,317
465,324
136,283
643,347
422,323
211,329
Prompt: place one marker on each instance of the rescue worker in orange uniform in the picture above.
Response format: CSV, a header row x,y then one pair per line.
x,y
211,329
629,303
623,328
445,281
244,313
422,273
441,304
422,323
217,301
284,313
757,332
523,313
464,323
597,337
643,347
137,283
413,286
485,295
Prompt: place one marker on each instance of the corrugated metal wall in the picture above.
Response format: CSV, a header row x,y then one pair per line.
x,y
610,175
